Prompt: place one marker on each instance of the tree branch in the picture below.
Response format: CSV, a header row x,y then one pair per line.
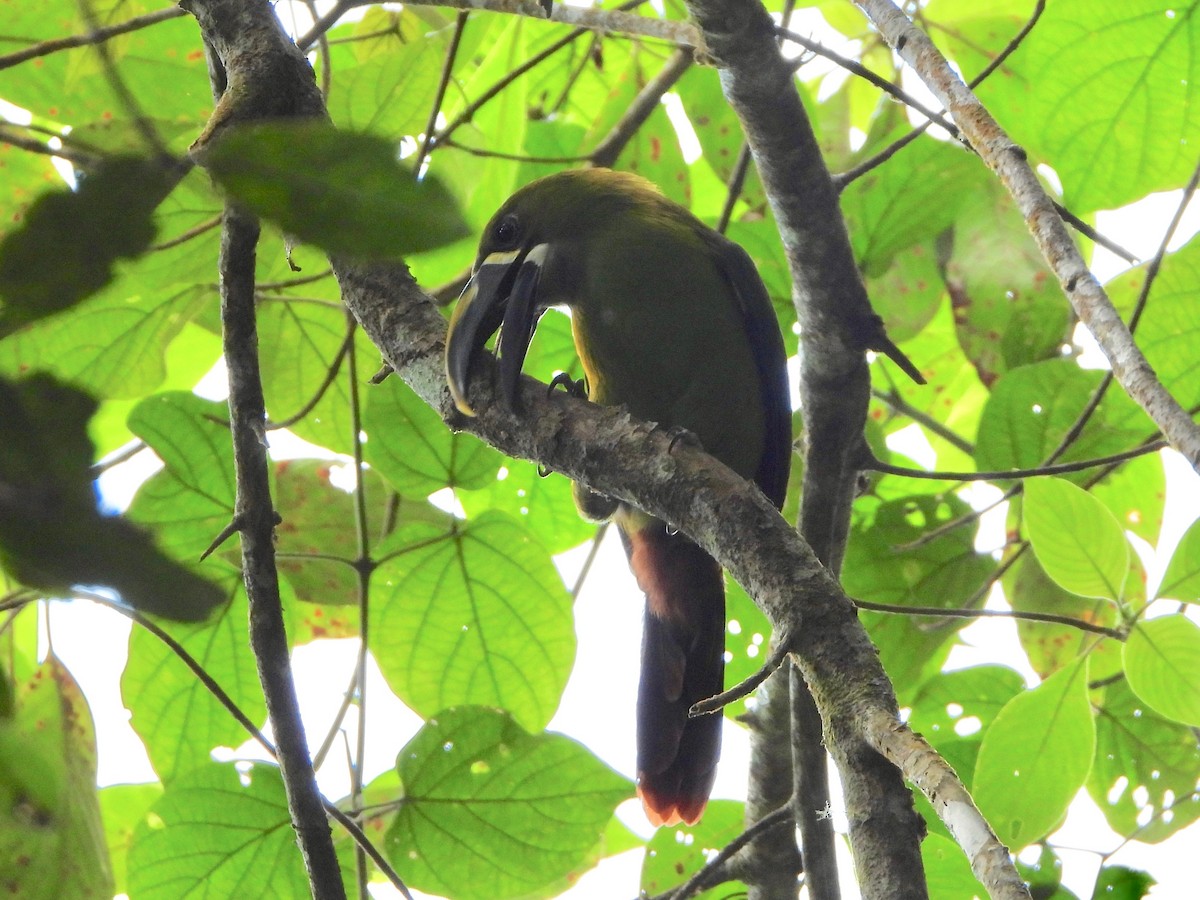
x,y
1087,297
923,766
247,416
94,36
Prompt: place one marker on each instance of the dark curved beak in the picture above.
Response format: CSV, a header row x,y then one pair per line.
x,y
502,294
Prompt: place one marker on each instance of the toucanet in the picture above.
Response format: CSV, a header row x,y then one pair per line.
x,y
671,320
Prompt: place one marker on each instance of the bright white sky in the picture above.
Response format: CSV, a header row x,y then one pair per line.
x,y
597,707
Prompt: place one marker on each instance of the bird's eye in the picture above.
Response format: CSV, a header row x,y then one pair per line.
x,y
507,231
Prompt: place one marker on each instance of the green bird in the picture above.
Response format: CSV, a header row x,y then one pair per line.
x,y
671,320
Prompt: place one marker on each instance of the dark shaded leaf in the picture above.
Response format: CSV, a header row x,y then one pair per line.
x,y
69,241
52,536
347,193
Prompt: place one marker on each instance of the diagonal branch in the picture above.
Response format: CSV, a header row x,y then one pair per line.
x,y
1008,160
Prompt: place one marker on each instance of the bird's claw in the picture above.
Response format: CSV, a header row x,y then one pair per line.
x,y
573,387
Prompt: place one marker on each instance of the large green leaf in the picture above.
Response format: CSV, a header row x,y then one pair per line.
x,y
175,714
476,615
317,541
342,191
1112,104
51,839
412,448
163,66
1162,663
123,806
1181,581
214,832
1035,757
191,437
388,88
492,811
301,340
1146,768
1170,326
1077,540
543,503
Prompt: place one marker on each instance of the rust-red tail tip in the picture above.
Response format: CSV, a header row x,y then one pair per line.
x,y
662,809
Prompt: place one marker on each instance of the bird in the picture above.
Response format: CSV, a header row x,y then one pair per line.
x,y
671,320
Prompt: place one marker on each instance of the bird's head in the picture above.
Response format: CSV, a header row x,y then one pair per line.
x,y
530,257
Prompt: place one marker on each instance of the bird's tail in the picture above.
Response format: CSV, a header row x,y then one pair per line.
x,y
683,647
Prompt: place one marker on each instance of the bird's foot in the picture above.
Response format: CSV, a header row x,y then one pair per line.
x,y
574,387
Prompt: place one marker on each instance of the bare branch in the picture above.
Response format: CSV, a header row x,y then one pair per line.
x,y
647,100
1087,297
876,465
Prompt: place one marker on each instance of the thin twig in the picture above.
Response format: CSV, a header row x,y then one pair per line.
x,y
856,68
744,688
601,530
93,36
79,158
647,100
713,871
460,24
876,465
939,612
900,405
363,543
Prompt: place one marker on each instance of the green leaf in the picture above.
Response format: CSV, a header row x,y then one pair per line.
x,y
300,342
953,710
1035,757
175,714
1032,408
491,811
908,293
916,196
1162,663
1146,769
1008,309
1076,539
414,450
943,573
1113,105
1050,646
678,852
477,615
948,874
1169,331
52,536
319,525
191,437
1181,581
544,504
214,832
388,91
123,806
747,640
344,192
51,839
1121,883
70,240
